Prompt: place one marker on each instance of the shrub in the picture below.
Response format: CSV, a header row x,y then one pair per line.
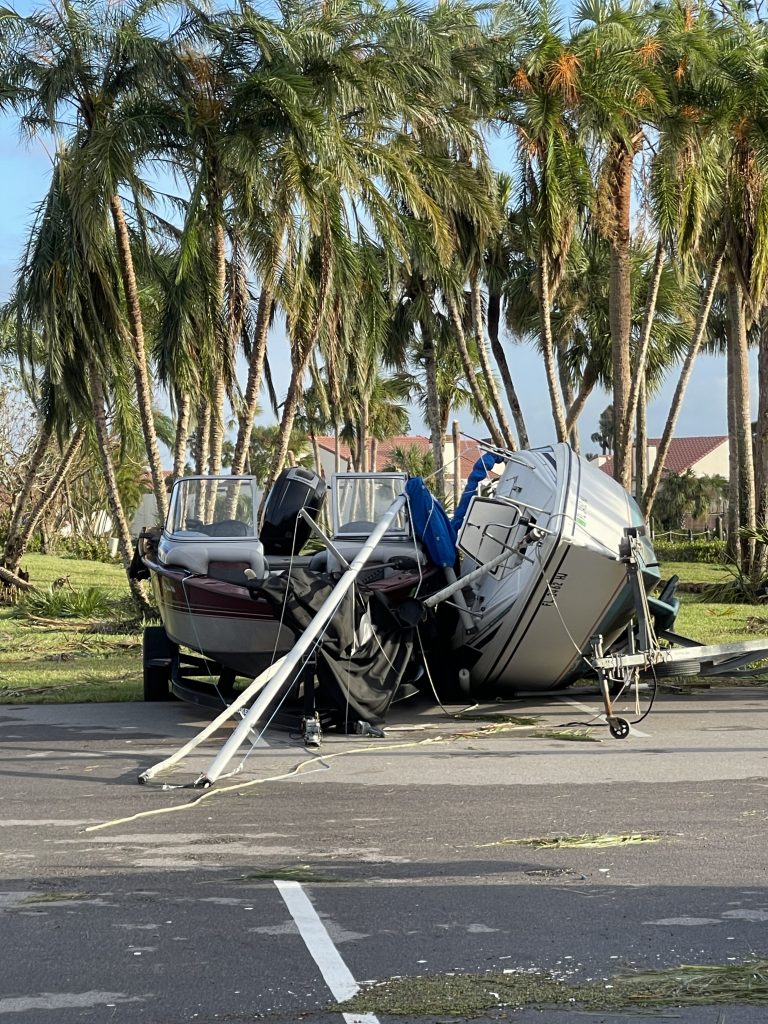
x,y
710,551
88,603
95,550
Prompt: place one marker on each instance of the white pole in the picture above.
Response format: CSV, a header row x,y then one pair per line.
x,y
464,581
242,698
294,658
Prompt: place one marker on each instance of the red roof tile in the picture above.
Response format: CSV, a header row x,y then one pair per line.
x,y
683,454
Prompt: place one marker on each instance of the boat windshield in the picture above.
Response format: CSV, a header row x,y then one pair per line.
x,y
359,501
219,507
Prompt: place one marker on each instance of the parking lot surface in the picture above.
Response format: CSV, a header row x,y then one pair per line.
x,y
378,859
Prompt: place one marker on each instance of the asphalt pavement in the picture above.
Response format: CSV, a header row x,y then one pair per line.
x,y
376,859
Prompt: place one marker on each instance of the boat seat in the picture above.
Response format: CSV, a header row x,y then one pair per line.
x,y
666,606
391,550
219,559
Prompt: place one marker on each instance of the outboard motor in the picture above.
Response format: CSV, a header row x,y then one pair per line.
x,y
294,489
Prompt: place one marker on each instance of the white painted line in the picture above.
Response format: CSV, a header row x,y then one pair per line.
x,y
337,975
601,717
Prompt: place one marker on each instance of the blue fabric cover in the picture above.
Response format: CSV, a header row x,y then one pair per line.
x,y
430,523
479,472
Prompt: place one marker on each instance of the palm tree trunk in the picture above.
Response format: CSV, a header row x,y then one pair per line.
x,y
743,420
638,377
114,502
216,424
184,408
469,372
302,354
253,387
33,466
141,371
620,304
433,405
485,364
494,313
705,306
547,348
588,381
732,518
641,441
290,407
316,453
363,434
761,449
202,435
219,392
566,390
336,448
457,481
12,580
17,545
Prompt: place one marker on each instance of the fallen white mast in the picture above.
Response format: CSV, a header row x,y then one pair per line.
x,y
294,659
258,683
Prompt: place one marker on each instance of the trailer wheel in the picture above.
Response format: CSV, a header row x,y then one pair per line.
x,y
158,652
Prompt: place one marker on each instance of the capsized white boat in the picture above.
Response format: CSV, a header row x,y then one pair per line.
x,y
552,530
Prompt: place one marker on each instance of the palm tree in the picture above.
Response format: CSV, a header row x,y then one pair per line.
x,y
367,162
83,72
540,83
625,95
681,495
500,254
720,132
66,299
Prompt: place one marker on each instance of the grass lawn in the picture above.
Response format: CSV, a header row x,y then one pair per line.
x,y
707,621
45,660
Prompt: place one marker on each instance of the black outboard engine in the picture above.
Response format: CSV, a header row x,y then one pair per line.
x,y
294,489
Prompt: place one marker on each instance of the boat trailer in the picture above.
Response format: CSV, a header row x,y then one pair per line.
x,y
644,656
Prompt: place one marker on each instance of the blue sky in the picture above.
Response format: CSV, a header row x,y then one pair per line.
x,y
24,172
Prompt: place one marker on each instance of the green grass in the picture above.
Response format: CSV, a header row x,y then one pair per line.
x,y
47,656
694,572
708,621
721,623
44,569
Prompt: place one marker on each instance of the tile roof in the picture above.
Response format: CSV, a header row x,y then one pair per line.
x,y
684,452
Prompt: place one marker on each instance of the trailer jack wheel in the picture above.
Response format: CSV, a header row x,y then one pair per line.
x,y
619,728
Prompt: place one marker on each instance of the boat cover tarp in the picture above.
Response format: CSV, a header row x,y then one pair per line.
x,y
430,523
480,471
364,651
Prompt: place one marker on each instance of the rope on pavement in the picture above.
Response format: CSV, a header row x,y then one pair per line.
x,y
296,770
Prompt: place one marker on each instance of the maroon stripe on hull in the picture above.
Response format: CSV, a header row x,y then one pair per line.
x,y
205,596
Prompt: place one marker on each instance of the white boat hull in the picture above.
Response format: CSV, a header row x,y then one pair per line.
x,y
534,618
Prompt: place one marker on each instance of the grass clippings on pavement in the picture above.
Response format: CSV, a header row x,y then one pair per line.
x,y
585,842
304,873
571,735
471,995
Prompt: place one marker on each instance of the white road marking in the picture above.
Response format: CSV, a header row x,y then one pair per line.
x,y
601,717
337,975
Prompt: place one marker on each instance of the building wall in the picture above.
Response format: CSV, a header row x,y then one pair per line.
x,y
714,464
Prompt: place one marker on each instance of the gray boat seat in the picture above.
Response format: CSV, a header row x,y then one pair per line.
x,y
220,559
390,549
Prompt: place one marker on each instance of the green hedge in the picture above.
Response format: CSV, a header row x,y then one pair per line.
x,y
709,551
